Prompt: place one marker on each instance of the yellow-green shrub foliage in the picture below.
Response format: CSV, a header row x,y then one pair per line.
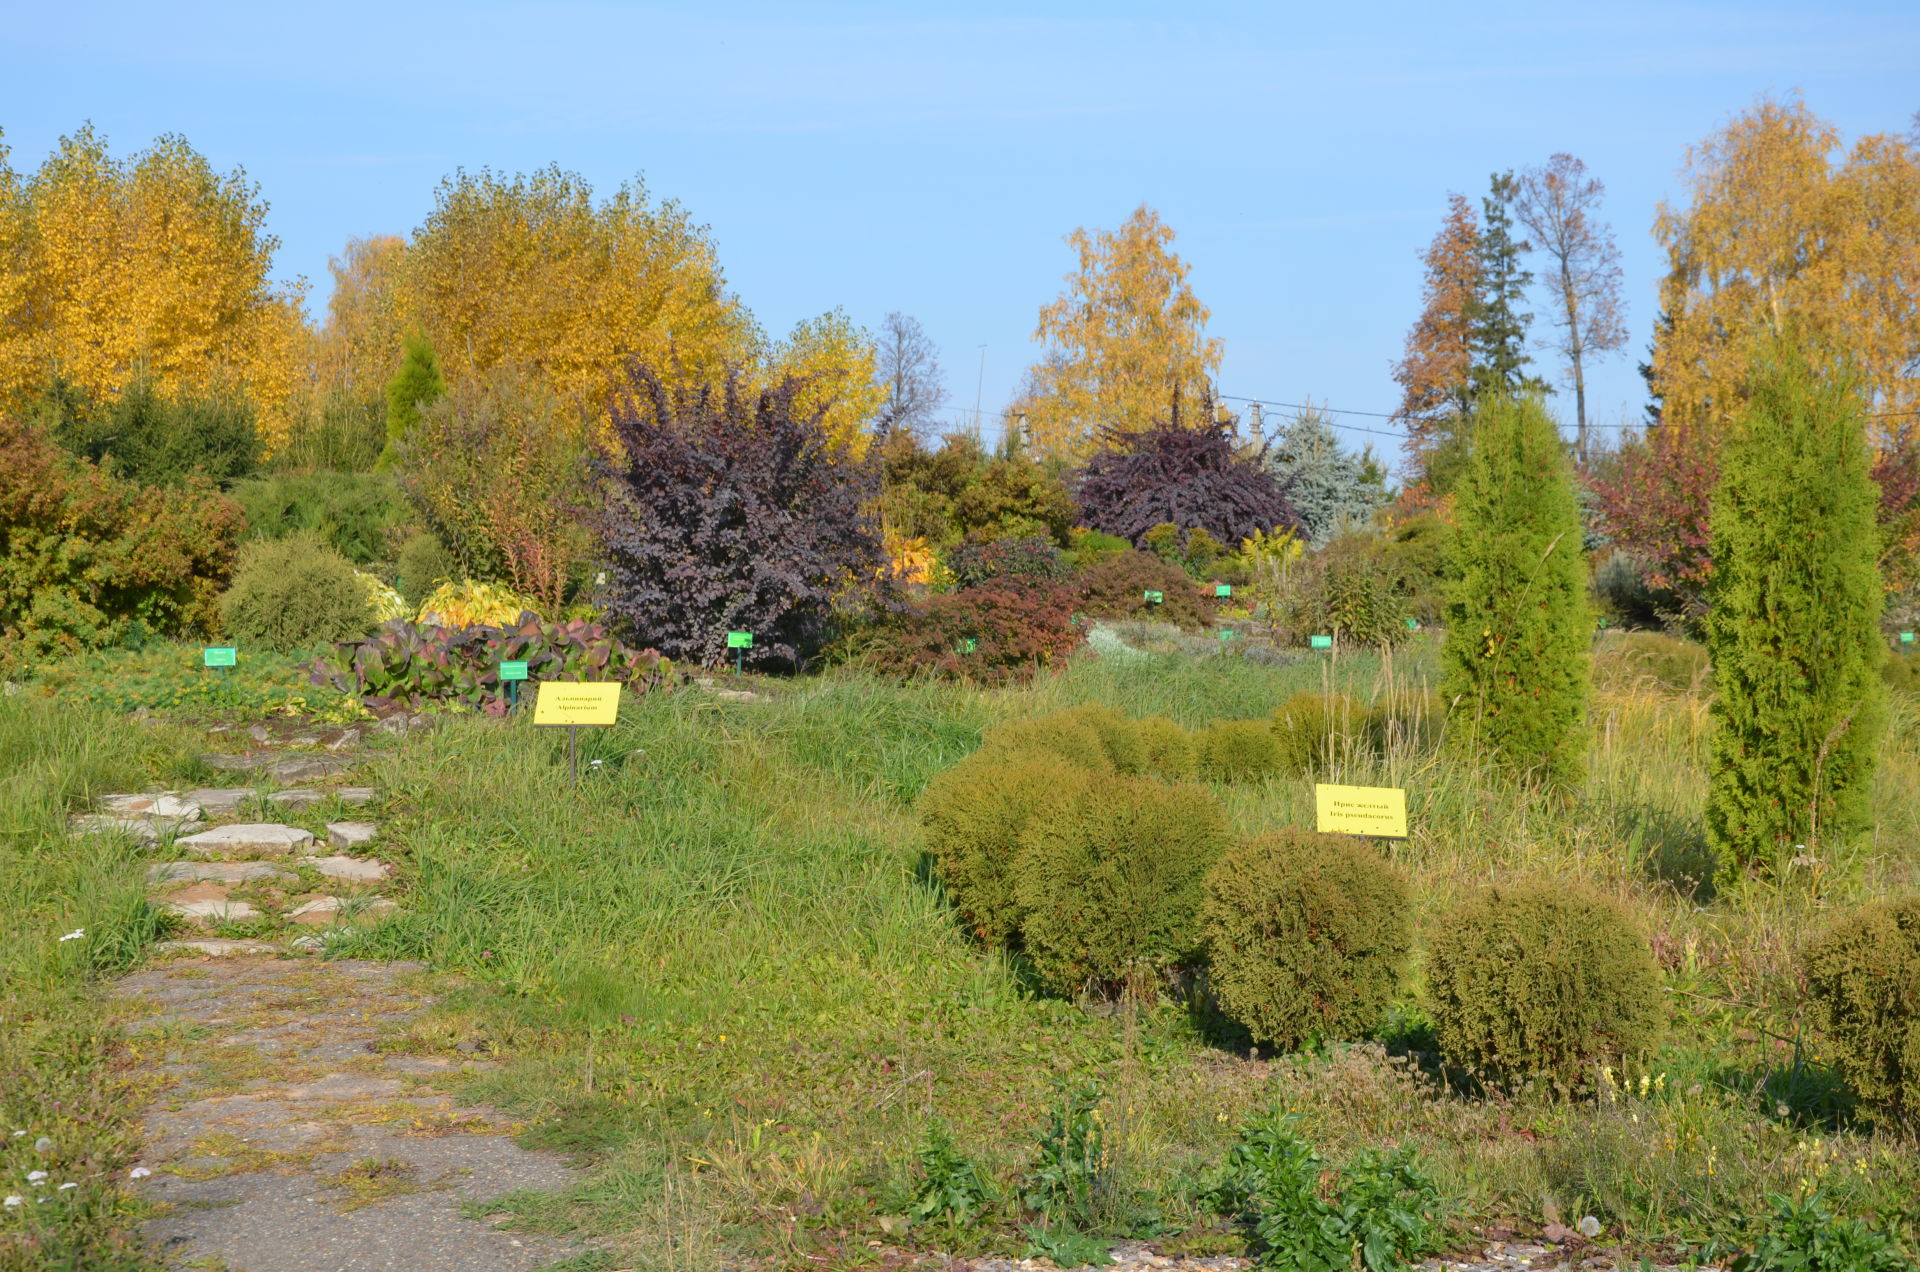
x,y
292,592
1637,660
1306,936
1308,724
1237,750
1542,981
1094,737
974,814
1863,978
1168,748
471,604
1109,881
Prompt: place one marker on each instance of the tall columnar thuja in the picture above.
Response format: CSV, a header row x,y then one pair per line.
x,y
1794,615
1518,628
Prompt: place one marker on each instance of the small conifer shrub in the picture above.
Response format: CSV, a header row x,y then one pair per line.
x,y
1863,980
1518,626
1237,751
1167,749
1311,728
1095,737
293,592
1307,936
1109,882
1540,981
974,815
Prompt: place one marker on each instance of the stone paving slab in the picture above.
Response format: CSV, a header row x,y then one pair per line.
x,y
217,872
274,1176
241,838
350,834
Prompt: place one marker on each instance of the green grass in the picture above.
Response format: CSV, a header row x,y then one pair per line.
x,y
717,972
66,1078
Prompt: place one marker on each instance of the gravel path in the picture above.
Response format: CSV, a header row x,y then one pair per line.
x,y
283,1141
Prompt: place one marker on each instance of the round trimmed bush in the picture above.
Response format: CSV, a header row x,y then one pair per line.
x,y
1306,935
293,592
1167,748
1092,736
423,565
1237,750
1109,881
1540,981
1308,723
973,815
1863,979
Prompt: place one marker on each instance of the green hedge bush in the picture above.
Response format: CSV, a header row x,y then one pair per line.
x,y
357,513
1109,881
1237,751
292,592
1863,981
89,561
1307,936
1540,981
974,815
423,565
1167,749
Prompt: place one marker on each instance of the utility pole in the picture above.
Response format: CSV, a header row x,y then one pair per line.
x,y
979,389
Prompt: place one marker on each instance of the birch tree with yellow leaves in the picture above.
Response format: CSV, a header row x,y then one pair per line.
x,y
1781,228
153,266
531,270
1125,340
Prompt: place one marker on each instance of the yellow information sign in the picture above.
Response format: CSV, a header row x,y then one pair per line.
x,y
1362,810
566,702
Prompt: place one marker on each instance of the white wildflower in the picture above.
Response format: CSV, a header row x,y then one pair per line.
x,y
139,1172
14,1199
36,1176
74,935
66,1186
43,1145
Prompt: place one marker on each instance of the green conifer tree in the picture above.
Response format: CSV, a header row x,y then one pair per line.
x,y
1794,616
1518,629
416,385
1497,330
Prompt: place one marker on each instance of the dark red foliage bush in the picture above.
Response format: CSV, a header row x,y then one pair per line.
x,y
1192,478
1116,587
992,634
732,513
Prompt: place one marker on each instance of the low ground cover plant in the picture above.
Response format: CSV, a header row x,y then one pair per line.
x,y
409,666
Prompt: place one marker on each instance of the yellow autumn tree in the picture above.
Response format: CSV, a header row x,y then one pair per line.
x,y
531,270
1123,340
1781,227
152,265
358,349
840,365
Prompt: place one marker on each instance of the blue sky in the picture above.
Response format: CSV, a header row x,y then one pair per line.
x,y
930,158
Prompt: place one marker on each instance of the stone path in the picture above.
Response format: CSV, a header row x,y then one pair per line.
x,y
289,1140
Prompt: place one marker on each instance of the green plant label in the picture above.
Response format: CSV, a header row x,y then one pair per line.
x,y
1227,633
220,656
1413,624
739,640
1154,598
1223,589
1320,642
513,669
1906,638
967,645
